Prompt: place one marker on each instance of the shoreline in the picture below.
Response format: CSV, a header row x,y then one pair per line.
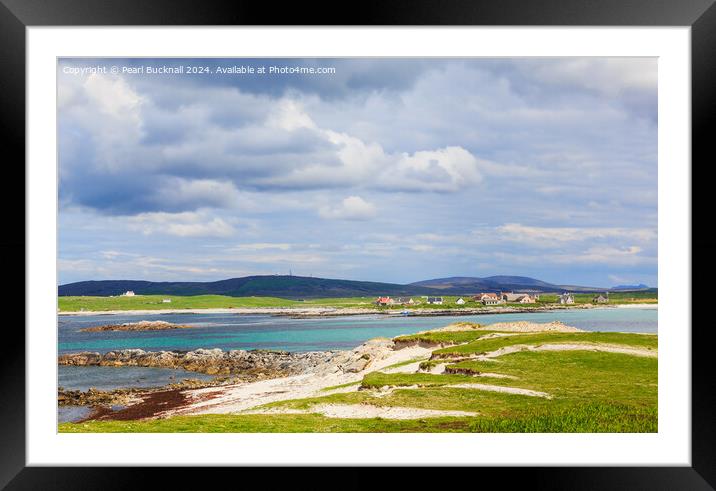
x,y
331,373
302,312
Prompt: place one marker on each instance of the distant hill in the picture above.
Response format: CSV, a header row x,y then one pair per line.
x,y
293,287
460,284
298,287
640,286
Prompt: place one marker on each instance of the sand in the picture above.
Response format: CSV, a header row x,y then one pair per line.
x,y
525,326
500,388
606,348
651,306
367,411
239,397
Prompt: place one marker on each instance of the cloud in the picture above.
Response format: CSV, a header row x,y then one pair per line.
x,y
113,97
260,246
611,76
186,224
193,154
548,236
351,208
289,116
446,169
422,248
356,162
176,193
628,255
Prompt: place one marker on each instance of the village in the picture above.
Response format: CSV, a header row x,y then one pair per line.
x,y
490,298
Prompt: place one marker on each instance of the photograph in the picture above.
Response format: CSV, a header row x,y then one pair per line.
x,y
357,245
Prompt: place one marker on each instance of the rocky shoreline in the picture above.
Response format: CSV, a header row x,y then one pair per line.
x,y
251,365
124,397
137,326
237,366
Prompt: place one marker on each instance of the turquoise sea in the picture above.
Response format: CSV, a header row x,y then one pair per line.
x,y
233,331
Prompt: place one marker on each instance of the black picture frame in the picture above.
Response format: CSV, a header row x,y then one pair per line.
x,y
16,15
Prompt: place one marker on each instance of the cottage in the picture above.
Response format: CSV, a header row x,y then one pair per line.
x,y
384,301
601,298
510,297
566,298
128,293
404,301
435,300
460,301
492,300
167,300
518,298
482,296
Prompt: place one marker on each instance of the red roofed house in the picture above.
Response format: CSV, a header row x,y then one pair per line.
x,y
384,301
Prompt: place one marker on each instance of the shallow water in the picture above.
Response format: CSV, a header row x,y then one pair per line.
x,y
233,331
70,414
108,378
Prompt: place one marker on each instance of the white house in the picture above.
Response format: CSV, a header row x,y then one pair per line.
x,y
601,298
566,298
404,301
435,300
492,301
460,301
167,300
128,293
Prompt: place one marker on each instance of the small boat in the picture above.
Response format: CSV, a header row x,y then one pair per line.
x,y
405,312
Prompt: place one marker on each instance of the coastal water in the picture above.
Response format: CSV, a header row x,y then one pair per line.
x,y
232,331
107,378
72,413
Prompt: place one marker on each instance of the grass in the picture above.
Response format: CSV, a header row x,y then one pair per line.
x,y
648,341
376,380
615,298
575,375
445,337
341,386
154,302
591,392
597,418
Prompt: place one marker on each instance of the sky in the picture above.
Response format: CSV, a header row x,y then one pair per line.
x,y
394,170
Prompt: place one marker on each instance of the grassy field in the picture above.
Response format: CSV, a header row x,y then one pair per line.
x,y
486,345
587,392
616,298
444,337
591,418
154,302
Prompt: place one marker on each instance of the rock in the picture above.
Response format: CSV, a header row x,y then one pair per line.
x,y
250,364
357,366
137,326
